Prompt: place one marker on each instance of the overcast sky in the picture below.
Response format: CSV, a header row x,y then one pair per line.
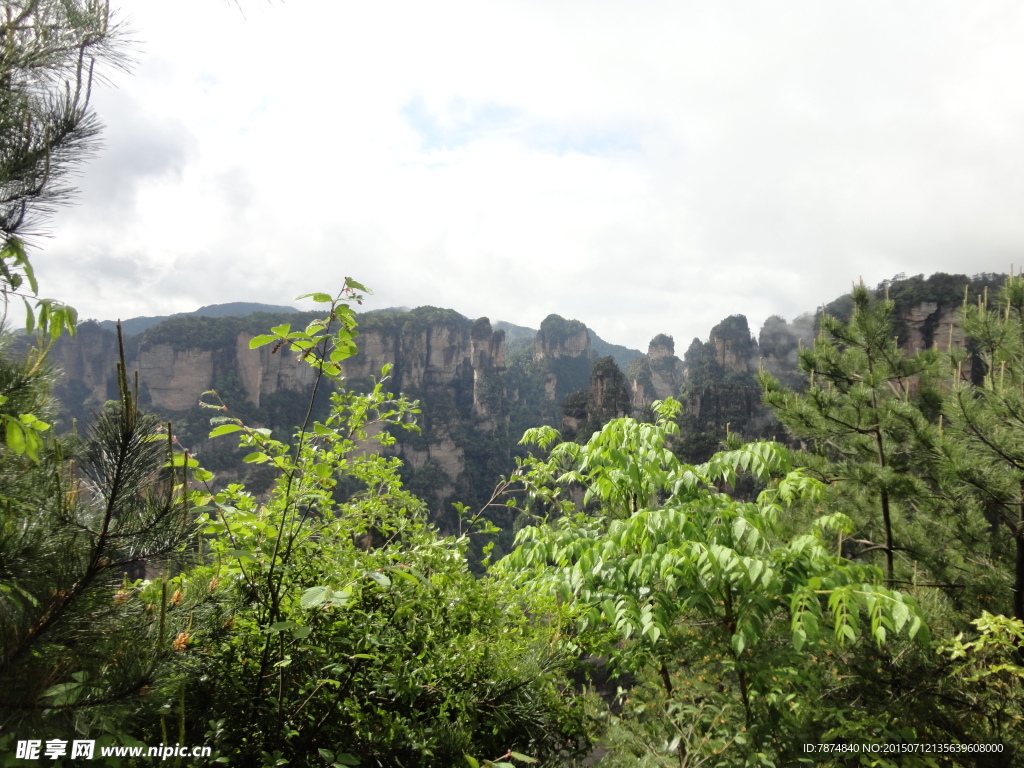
x,y
645,167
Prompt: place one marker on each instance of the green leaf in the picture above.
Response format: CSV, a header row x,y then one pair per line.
x,y
346,759
380,578
739,642
338,354
261,341
900,614
15,436
799,638
256,457
472,761
522,758
314,596
350,283
224,429
409,573
301,633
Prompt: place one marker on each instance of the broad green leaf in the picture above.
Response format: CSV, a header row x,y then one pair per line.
x,y
799,638
350,283
15,436
314,596
739,642
261,341
224,429
900,614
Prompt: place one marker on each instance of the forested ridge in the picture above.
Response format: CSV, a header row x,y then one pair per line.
x,y
801,549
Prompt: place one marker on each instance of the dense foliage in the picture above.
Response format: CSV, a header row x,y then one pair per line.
x,y
651,611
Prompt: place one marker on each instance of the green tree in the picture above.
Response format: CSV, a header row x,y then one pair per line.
x,y
341,628
989,673
855,412
701,595
52,51
979,454
80,520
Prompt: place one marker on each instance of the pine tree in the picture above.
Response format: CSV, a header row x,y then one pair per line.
x,y
979,456
77,521
51,53
858,413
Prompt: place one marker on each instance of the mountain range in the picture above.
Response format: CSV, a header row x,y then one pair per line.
x,y
480,385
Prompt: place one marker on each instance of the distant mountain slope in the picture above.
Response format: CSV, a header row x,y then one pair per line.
x,y
518,336
623,356
515,332
136,325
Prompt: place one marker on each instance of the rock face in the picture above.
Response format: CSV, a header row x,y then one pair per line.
x,y
176,379
438,356
657,375
89,361
263,371
932,325
487,359
732,344
558,338
608,397
477,394
779,345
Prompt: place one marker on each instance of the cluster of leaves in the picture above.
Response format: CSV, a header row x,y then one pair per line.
x,y
79,520
699,594
925,464
348,631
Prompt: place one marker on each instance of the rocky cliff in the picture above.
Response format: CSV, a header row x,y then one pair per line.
x,y
656,375
716,379
454,365
478,394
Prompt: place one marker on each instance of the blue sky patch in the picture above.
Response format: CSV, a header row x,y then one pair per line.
x,y
461,124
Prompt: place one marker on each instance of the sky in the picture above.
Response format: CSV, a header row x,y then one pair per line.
x,y
644,167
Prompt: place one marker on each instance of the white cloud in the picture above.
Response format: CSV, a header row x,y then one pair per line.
x,y
647,167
